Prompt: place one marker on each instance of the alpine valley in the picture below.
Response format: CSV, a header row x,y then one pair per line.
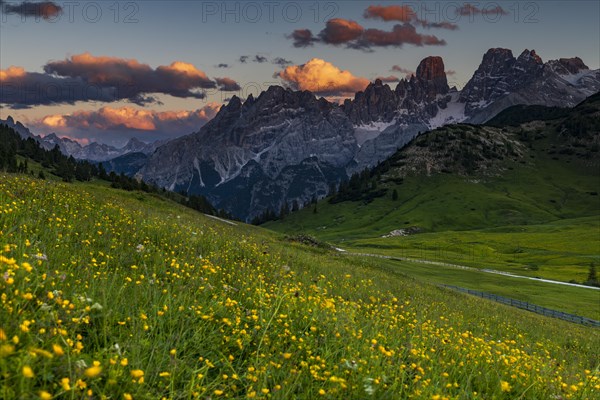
x,y
287,147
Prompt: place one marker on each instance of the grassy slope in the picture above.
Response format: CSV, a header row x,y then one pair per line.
x,y
203,308
539,218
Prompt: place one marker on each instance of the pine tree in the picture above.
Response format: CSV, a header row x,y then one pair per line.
x,y
592,278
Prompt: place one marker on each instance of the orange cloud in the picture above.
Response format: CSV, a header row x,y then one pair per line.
x,y
228,85
11,73
84,77
129,118
132,79
400,34
322,77
404,13
339,30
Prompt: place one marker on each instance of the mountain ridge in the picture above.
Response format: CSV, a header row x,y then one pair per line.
x,y
280,128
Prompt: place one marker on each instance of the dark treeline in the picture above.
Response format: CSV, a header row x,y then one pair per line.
x,y
286,208
69,169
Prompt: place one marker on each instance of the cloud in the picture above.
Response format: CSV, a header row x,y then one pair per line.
x,y
340,31
228,85
46,9
21,89
282,62
222,65
302,38
450,72
257,59
398,36
85,77
388,79
469,9
440,25
322,78
402,70
108,120
404,13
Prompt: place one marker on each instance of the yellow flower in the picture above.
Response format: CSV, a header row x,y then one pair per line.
x,y
127,396
505,386
93,372
218,392
137,373
57,350
64,382
287,355
28,372
322,392
45,395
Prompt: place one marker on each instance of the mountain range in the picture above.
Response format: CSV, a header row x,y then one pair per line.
x,y
94,151
287,146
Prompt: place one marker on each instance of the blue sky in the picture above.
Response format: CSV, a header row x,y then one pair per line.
x,y
203,34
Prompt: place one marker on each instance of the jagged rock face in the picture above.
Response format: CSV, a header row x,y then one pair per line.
x,y
502,81
253,142
565,66
489,81
286,146
412,102
377,103
432,76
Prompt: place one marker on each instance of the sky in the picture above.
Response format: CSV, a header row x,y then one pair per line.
x,y
108,71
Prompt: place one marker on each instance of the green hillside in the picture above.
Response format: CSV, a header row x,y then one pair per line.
x,y
523,199
114,294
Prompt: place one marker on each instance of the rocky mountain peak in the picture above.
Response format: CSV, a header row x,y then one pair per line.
x,y
495,61
573,65
432,76
431,68
10,121
249,101
135,141
530,57
378,102
234,104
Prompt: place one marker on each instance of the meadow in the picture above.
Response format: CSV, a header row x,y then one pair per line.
x,y
123,295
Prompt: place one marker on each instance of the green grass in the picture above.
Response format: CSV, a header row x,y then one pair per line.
x,y
127,295
538,218
578,301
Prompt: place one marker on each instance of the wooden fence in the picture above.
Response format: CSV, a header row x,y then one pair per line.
x,y
529,307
